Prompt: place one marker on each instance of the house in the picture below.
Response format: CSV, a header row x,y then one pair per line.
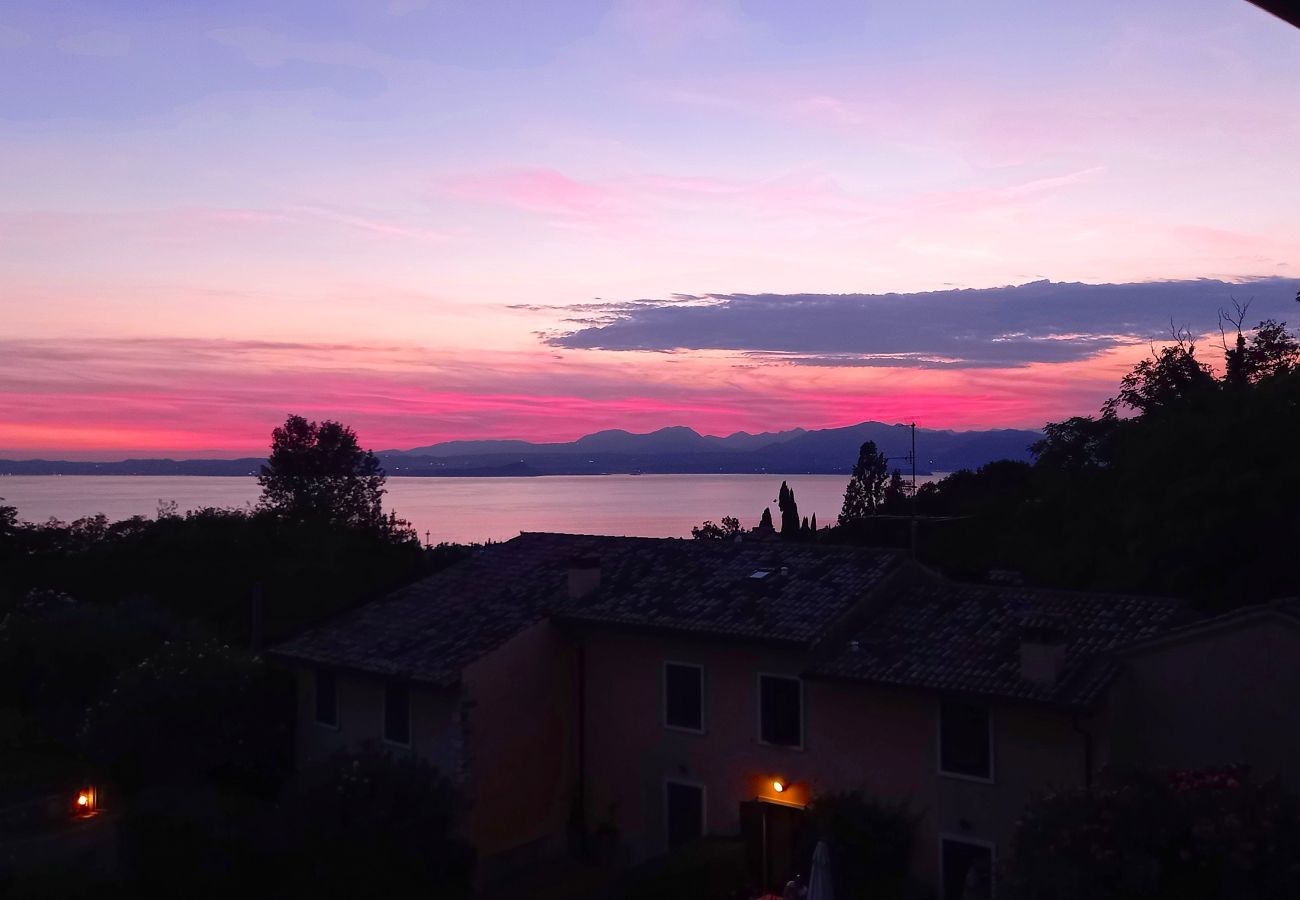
x,y
655,690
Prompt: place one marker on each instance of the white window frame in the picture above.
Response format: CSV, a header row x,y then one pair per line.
x,y
758,718
974,842
938,746
704,805
383,717
663,689
315,701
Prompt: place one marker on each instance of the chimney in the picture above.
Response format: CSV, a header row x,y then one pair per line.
x,y
1042,653
584,576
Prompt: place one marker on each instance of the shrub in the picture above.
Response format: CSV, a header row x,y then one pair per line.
x,y
194,712
870,843
1186,835
373,825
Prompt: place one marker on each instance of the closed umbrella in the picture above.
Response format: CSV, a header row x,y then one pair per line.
x,y
819,877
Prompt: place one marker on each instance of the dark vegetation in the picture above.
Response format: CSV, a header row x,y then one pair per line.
x,y
1188,835
130,656
1185,484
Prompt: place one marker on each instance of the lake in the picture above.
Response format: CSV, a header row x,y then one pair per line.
x,y
466,509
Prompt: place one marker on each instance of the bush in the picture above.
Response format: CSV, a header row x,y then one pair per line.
x,y
1188,835
194,712
870,843
373,825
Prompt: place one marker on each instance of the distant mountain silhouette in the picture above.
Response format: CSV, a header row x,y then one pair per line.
x,y
674,450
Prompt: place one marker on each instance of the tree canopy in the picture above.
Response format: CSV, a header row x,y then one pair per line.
x,y
1187,483
318,472
866,488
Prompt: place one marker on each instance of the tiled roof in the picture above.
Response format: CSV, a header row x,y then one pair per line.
x,y
950,637
430,630
756,590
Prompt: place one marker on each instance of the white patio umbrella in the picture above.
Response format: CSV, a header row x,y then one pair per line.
x,y
819,876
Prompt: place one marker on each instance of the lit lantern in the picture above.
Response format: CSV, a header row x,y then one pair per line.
x,y
87,802
779,786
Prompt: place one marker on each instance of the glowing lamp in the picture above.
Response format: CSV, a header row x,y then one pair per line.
x,y
87,802
779,786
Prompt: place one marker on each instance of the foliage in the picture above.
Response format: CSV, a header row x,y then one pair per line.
x,y
870,843
1189,835
374,825
727,531
202,568
319,473
765,521
866,488
785,502
1186,484
56,655
192,712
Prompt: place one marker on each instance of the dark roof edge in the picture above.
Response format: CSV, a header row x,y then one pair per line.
x,y
289,658
1055,705
577,619
1277,609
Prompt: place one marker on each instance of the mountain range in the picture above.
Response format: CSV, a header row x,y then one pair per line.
x,y
673,450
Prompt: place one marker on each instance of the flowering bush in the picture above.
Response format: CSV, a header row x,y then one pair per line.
x,y
1181,835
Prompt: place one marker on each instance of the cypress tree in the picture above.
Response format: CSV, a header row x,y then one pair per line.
x,y
789,512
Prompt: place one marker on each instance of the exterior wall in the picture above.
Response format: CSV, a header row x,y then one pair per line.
x,y
630,753
1212,698
881,740
522,744
435,721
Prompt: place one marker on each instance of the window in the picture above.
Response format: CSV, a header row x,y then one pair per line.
x,y
780,710
684,696
965,739
683,813
397,713
327,698
966,869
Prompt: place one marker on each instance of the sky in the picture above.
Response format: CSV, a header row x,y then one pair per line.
x,y
437,220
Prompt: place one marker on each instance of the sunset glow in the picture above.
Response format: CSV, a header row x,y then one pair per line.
x,y
436,221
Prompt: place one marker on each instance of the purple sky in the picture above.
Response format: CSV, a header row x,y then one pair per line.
x,y
213,214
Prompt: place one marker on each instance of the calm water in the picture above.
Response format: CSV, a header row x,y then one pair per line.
x,y
466,509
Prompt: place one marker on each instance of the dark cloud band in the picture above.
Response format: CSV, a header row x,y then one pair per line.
x,y
986,328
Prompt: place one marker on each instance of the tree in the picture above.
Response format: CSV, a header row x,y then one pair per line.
x,y
896,494
765,521
1170,378
1187,835
814,524
727,531
318,472
785,502
866,487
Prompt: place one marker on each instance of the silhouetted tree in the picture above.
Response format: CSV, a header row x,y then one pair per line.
x,y
789,512
804,529
765,521
318,472
866,487
814,524
727,531
896,494
1171,378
